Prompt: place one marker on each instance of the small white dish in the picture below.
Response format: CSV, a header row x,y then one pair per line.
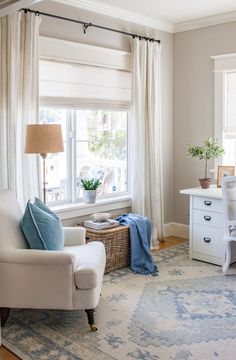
x,y
100,216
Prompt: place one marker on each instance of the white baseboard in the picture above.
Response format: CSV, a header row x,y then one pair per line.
x,y
175,229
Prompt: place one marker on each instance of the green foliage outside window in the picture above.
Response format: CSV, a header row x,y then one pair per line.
x,y
109,145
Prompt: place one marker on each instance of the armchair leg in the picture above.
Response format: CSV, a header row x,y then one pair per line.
x,y
4,315
90,315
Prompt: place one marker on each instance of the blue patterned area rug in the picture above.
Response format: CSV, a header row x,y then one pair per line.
x,y
187,313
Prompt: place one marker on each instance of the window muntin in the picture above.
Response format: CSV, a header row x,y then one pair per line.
x,y
95,146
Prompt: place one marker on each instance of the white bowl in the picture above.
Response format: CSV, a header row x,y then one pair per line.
x,y
100,216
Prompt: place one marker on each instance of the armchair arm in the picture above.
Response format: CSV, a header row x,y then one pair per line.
x,y
36,279
74,235
36,257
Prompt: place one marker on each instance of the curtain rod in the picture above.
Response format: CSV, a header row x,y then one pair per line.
x,y
86,25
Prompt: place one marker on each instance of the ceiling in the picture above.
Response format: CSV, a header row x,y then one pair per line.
x,y
8,6
175,11
167,15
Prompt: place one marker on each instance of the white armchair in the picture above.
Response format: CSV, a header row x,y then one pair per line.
x,y
70,279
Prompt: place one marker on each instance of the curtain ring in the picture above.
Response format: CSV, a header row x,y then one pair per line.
x,y
85,27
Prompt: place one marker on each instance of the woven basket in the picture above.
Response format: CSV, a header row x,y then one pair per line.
x,y
117,245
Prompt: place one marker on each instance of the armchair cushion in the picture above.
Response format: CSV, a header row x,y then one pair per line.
x,y
74,235
42,228
90,262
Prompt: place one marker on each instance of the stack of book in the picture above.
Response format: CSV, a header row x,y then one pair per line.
x,y
100,225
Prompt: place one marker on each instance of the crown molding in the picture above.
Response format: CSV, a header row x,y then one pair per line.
x,y
206,21
119,13
16,6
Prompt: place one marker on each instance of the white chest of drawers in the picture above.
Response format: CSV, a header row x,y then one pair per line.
x,y
206,224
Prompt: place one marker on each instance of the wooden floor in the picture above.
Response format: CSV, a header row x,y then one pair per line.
x,y
6,355
169,242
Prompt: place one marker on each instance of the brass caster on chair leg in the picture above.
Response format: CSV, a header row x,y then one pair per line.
x,y
93,327
91,321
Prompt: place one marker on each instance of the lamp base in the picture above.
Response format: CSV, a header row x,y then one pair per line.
x,y
44,156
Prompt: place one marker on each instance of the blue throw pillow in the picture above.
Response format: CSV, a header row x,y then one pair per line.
x,y
41,227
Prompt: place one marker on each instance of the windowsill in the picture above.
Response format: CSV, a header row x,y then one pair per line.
x,y
73,210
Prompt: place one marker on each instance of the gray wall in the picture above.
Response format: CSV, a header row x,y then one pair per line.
x,y
73,32
193,117
194,102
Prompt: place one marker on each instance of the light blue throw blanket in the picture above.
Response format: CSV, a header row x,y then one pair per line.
x,y
140,242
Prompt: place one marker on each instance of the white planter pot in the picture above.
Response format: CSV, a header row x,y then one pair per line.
x,y
89,196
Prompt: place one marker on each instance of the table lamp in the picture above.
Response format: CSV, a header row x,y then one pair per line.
x,y
43,139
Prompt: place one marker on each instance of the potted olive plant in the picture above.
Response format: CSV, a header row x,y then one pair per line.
x,y
211,149
89,187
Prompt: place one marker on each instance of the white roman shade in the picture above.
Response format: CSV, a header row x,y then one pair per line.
x,y
72,85
75,80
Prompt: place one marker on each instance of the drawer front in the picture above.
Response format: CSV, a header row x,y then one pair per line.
x,y
209,218
207,240
208,204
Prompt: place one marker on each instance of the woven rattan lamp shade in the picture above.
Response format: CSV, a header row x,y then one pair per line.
x,y
43,139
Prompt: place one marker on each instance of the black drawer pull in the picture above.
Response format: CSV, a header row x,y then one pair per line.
x,y
207,217
207,202
207,239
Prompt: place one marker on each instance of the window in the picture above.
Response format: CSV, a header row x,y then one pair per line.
x,y
95,144
225,105
87,89
229,128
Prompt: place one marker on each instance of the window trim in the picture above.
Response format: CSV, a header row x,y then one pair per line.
x,y
74,210
72,170
52,49
222,65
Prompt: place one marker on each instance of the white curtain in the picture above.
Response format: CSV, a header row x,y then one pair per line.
x,y
19,33
146,147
